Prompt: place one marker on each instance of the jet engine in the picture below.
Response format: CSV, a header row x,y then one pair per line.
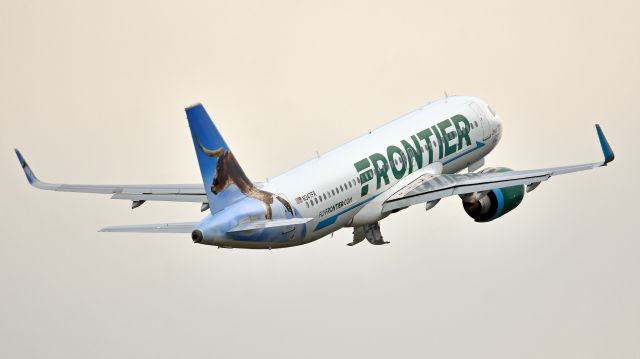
x,y
488,205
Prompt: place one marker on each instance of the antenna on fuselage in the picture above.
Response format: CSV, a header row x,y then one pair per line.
x,y
446,95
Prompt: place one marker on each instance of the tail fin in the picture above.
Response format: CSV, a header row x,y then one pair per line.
x,y
223,178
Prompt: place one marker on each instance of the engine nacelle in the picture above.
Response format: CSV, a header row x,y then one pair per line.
x,y
489,205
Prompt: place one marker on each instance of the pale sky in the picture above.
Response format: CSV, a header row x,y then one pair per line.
x,y
94,92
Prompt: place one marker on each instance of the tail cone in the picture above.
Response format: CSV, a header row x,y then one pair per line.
x,y
196,235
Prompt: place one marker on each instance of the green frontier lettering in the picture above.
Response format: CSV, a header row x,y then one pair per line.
x,y
397,172
413,153
448,148
379,165
463,132
425,136
439,139
362,167
381,171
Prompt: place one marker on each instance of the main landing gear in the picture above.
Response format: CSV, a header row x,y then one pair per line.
x,y
369,231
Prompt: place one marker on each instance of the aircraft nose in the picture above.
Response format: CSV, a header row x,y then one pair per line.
x,y
495,120
496,123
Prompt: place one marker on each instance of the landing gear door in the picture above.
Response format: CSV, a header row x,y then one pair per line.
x,y
482,119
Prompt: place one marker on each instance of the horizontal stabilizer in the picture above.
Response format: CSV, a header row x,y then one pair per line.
x,y
184,227
269,223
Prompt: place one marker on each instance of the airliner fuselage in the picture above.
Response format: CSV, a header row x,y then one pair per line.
x,y
335,187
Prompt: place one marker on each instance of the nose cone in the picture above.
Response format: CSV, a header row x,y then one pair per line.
x,y
495,122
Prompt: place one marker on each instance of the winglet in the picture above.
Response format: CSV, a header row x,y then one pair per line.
x,y
606,148
25,167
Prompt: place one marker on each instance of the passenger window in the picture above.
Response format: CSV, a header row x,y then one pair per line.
x,y
325,196
307,203
333,192
350,184
476,122
358,179
341,189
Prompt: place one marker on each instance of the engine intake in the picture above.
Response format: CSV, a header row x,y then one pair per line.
x,y
489,205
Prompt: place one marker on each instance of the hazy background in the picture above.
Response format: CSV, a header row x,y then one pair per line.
x,y
94,93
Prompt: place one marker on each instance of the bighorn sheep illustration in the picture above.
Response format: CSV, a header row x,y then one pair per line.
x,y
228,171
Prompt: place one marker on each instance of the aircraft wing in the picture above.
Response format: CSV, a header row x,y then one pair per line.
x,y
429,187
136,193
184,227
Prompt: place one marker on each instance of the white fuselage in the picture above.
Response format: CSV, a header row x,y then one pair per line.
x,y
329,187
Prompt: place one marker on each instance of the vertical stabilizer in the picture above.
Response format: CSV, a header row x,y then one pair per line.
x,y
223,178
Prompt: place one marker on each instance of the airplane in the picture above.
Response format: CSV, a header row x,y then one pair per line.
x,y
415,159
